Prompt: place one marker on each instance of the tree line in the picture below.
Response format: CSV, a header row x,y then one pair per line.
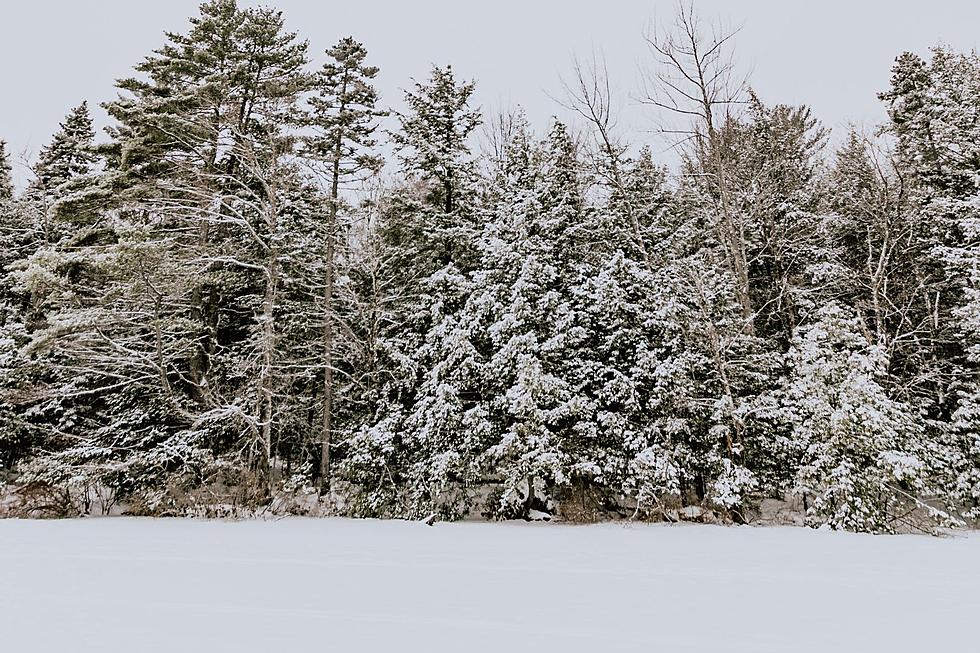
x,y
251,293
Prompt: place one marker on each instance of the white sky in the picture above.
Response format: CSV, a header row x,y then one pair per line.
x,y
834,55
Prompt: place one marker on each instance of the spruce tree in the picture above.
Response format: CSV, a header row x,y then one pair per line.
x,y
932,105
68,155
433,139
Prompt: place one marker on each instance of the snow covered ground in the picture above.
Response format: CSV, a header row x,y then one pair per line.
x,y
135,585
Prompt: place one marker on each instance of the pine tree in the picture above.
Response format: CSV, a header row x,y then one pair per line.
x,y
345,116
171,315
69,157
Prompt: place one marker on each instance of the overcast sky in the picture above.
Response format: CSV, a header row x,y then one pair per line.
x,y
834,55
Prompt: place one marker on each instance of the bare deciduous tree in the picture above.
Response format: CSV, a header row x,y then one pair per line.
x,y
589,94
694,78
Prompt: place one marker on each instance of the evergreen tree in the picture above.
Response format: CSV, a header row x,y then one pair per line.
x,y
428,226
16,437
932,107
68,158
533,254
6,175
344,115
864,458
432,142
68,155
775,180
38,241
175,306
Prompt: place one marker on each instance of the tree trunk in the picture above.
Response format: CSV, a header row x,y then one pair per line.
x,y
328,346
266,376
733,239
328,335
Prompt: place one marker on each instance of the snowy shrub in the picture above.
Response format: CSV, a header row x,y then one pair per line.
x,y
732,485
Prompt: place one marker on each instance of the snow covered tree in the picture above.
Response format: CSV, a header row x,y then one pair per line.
x,y
175,305
711,436
426,227
68,155
532,251
35,234
932,106
16,238
432,141
17,435
722,377
864,462
345,117
880,258
68,158
775,188
6,174
966,418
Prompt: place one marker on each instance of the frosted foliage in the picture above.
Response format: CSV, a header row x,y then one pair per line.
x,y
862,467
248,296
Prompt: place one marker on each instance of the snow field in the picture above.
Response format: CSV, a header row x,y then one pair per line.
x,y
139,585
